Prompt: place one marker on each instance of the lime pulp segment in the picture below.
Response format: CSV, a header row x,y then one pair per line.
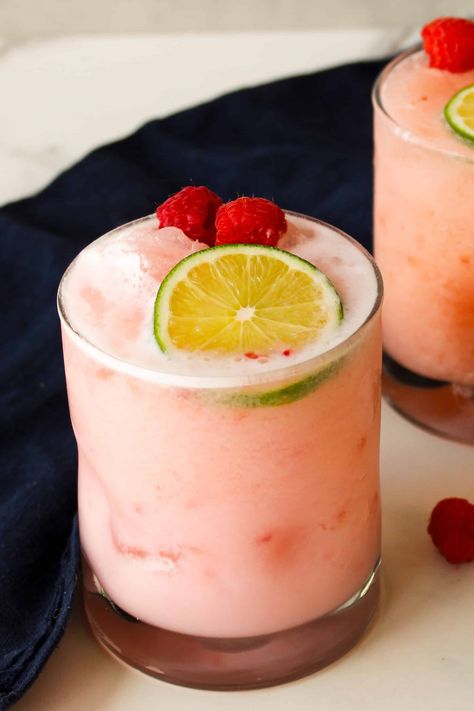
x,y
239,298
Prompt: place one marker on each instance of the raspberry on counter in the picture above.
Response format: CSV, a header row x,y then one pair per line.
x,y
451,528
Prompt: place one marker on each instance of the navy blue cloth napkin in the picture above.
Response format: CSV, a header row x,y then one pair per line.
x,y
304,141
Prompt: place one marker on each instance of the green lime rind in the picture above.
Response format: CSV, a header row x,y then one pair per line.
x,y
454,120
166,286
279,396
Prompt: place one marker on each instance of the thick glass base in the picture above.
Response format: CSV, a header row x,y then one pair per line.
x,y
238,663
445,409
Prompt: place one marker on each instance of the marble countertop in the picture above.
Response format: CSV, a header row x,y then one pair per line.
x,y
63,97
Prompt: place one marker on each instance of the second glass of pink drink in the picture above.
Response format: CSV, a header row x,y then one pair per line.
x,y
424,237
229,508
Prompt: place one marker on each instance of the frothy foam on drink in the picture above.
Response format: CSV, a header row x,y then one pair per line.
x,y
415,95
109,291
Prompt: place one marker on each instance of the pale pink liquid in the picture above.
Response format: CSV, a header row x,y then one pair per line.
x,y
424,222
213,519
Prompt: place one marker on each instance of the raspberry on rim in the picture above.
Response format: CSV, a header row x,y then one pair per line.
x,y
193,210
449,44
250,220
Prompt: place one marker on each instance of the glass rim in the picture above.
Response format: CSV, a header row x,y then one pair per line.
x,y
287,372
408,135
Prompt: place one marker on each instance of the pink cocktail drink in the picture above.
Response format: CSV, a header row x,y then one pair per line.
x,y
424,235
229,508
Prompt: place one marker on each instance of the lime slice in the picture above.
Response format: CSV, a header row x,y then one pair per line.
x,y
242,298
286,395
459,112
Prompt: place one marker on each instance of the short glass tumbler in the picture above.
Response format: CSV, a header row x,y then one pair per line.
x,y
423,239
230,526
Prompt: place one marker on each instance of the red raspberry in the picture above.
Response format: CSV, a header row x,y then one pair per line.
x,y
451,529
449,43
250,221
193,210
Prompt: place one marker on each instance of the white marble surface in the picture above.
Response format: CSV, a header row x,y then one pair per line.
x,y
61,98
27,18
